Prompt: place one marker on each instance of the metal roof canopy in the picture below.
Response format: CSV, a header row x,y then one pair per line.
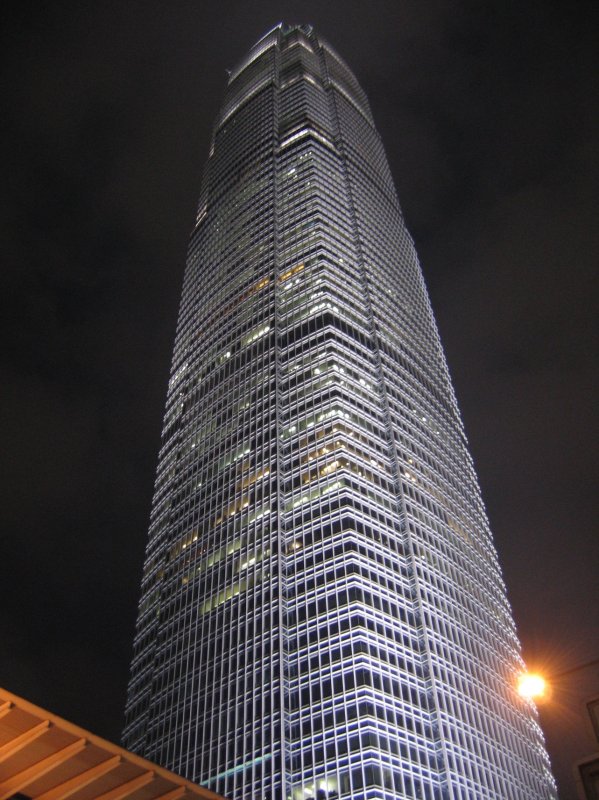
x,y
45,757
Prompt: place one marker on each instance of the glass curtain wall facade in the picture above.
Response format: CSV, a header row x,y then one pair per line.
x,y
322,611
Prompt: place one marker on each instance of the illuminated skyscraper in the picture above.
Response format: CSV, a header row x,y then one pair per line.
x,y
322,610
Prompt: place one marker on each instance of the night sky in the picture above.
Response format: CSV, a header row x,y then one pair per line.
x,y
485,110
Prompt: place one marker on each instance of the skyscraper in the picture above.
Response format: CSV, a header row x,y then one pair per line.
x,y
322,610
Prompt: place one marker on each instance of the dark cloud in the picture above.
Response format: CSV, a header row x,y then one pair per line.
x,y
486,115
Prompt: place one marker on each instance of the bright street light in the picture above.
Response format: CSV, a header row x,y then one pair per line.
x,y
532,686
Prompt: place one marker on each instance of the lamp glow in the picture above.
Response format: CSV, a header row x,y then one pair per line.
x,y
532,686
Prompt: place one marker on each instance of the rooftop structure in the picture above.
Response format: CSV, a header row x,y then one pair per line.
x,y
44,757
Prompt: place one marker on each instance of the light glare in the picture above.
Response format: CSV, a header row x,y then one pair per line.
x,y
532,686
